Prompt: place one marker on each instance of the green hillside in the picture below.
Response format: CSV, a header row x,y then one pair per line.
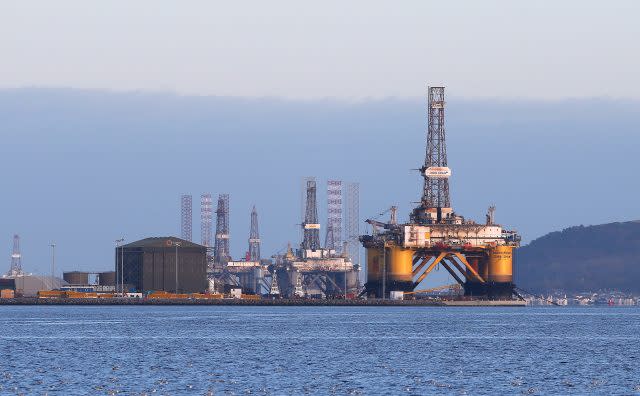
x,y
605,256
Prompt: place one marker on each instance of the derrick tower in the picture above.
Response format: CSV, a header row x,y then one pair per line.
x,y
254,237
205,219
16,258
333,240
221,252
435,205
186,217
310,225
352,221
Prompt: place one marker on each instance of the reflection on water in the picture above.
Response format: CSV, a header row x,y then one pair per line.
x,y
318,350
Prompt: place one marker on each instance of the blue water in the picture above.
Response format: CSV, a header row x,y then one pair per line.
x,y
82,350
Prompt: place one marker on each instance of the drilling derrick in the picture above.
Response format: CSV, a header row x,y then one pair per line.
x,y
254,237
186,217
477,256
310,225
205,219
435,205
221,250
334,216
16,258
352,222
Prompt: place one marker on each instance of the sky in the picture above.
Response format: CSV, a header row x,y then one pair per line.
x,y
109,111
325,49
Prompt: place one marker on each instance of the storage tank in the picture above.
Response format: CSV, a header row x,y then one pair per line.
x,y
352,281
250,280
107,278
258,277
341,279
374,265
483,268
76,278
500,284
245,280
399,269
374,272
501,264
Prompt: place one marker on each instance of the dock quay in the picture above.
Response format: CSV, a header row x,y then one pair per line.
x,y
261,302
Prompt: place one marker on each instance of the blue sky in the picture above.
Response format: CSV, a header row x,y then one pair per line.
x,y
109,111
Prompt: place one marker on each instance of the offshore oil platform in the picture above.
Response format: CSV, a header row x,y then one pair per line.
x,y
311,271
400,256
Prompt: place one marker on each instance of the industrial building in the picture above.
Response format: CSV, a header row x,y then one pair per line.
x,y
401,256
162,263
99,282
102,278
28,285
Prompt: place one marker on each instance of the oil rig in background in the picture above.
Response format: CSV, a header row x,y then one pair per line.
x,y
312,270
401,256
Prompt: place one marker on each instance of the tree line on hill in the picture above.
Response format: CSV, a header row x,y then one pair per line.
x,y
577,259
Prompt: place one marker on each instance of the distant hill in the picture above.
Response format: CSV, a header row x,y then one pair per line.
x,y
605,256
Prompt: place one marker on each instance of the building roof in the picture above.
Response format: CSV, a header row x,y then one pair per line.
x,y
162,242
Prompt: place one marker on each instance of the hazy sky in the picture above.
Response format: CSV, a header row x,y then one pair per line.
x,y
346,49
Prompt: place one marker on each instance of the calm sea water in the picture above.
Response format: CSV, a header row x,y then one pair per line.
x,y
319,350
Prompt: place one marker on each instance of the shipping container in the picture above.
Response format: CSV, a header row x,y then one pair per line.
x,y
51,294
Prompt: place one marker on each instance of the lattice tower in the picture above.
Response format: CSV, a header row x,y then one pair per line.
x,y
310,225
334,215
221,252
254,237
186,217
352,232
16,258
205,219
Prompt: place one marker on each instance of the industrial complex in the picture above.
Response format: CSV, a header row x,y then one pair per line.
x,y
312,270
399,256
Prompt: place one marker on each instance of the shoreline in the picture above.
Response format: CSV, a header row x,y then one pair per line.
x,y
263,302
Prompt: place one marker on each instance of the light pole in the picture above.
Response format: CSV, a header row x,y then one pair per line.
x,y
118,242
345,278
53,263
177,245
